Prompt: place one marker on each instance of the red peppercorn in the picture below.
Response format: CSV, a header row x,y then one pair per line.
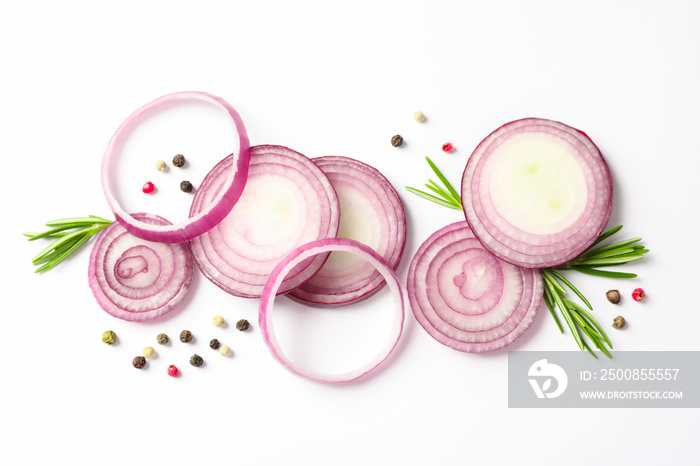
x,y
149,187
638,294
447,147
173,371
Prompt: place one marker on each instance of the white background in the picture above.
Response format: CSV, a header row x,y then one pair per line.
x,y
337,78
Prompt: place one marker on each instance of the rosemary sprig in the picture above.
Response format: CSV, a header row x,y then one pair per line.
x,y
445,196
68,235
582,324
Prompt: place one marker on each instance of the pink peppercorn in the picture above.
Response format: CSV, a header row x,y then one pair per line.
x,y
447,147
173,371
638,294
148,188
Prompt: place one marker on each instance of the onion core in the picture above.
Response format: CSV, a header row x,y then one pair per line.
x,y
135,279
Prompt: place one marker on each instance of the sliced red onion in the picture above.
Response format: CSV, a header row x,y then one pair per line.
x,y
465,297
135,279
371,213
537,192
288,201
287,266
216,210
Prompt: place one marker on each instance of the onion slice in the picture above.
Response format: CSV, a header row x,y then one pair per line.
x,y
371,213
465,297
304,253
537,192
288,201
135,279
215,210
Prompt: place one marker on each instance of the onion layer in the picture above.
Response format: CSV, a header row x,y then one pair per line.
x,y
288,201
371,213
465,297
135,279
537,192
215,210
304,253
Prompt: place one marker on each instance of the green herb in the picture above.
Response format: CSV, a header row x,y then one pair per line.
x,y
445,195
68,235
583,326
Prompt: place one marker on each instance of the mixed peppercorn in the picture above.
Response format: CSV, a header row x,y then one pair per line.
x,y
109,337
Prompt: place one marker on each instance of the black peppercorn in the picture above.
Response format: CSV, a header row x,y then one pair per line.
x,y
396,140
242,325
139,362
214,344
196,360
186,187
613,296
185,336
162,339
179,160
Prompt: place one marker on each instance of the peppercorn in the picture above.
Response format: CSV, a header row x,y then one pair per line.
x,y
173,371
186,187
148,187
396,140
163,339
148,352
447,147
185,336
214,344
218,321
242,325
618,322
225,350
613,296
139,362
638,294
196,360
109,337
179,160
418,116
160,165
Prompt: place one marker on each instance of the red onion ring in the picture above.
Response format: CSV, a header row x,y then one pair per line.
x,y
372,213
288,201
302,254
135,279
215,211
466,298
537,192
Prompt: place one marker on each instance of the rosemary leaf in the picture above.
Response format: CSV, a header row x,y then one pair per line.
x,y
432,198
550,305
68,235
610,260
443,179
58,259
604,236
439,191
565,312
57,245
79,221
571,286
602,273
617,245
